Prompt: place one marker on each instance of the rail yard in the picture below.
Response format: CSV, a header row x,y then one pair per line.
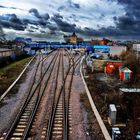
x,y
49,107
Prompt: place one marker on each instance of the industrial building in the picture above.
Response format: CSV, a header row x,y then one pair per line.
x,y
136,49
117,50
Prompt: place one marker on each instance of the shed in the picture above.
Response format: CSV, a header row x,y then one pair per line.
x,y
112,114
125,73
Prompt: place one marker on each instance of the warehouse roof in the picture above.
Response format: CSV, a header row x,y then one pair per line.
x,y
130,90
112,107
125,69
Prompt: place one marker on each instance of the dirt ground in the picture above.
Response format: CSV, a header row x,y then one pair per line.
x,y
105,91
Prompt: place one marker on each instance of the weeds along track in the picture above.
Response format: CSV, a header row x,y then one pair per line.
x,y
24,119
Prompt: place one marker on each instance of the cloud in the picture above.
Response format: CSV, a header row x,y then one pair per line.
x,y
13,18
11,21
35,13
68,5
1,6
129,23
15,26
73,4
63,25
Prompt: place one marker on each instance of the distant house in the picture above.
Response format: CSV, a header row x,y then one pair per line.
x,y
117,50
73,38
103,42
136,49
125,73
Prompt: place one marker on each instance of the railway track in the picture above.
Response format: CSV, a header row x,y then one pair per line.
x,y
58,125
23,121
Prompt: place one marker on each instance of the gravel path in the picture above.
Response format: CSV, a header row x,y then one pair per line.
x,y
78,121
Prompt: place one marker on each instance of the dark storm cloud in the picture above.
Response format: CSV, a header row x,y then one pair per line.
x,y
46,16
11,25
57,16
11,21
29,30
34,28
28,21
42,19
68,27
102,32
128,24
63,25
37,14
13,18
52,27
2,6
49,36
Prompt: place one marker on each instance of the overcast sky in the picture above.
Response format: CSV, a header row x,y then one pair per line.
x,y
51,19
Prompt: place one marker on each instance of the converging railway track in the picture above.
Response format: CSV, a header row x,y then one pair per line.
x,y
50,88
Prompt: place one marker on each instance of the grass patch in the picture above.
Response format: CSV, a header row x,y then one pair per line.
x,y
9,73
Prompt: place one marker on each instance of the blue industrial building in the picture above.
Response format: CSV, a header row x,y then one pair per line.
x,y
101,48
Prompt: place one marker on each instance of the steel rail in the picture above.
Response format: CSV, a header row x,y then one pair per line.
x,y
25,135
51,118
26,102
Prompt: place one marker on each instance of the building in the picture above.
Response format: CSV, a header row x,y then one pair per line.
x,y
94,42
117,50
112,114
101,49
21,39
73,39
136,49
125,74
104,41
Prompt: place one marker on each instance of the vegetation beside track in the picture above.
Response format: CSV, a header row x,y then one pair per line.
x,y
93,127
9,73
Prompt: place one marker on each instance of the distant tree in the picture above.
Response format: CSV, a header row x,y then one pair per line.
x,y
115,57
123,55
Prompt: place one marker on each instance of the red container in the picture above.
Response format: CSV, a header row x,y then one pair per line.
x,y
109,69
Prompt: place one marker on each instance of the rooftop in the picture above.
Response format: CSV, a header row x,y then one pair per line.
x,y
130,90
